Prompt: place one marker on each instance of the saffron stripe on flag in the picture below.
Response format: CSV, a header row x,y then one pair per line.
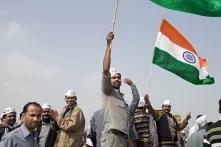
x,y
175,54
176,37
164,43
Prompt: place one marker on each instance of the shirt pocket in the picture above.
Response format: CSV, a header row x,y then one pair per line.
x,y
119,104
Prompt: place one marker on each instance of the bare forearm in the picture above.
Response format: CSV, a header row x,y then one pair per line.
x,y
153,112
107,55
183,125
156,114
107,60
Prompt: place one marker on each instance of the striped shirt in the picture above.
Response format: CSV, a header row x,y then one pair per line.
x,y
213,135
142,125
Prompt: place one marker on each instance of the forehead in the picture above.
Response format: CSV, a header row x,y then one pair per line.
x,y
166,105
11,114
117,75
70,97
34,108
46,109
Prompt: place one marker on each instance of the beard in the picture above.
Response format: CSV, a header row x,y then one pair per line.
x,y
46,120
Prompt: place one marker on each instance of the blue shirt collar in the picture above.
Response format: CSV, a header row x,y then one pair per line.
x,y
25,131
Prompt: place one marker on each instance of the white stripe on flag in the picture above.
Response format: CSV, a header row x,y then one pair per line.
x,y
165,44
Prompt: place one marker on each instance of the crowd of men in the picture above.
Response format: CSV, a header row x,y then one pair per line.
x,y
117,124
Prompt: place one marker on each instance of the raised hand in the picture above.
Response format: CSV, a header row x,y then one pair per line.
x,y
109,37
188,116
128,81
53,113
146,99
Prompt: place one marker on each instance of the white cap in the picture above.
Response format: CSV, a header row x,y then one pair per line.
x,y
141,102
166,102
70,93
46,106
89,142
8,110
113,71
201,121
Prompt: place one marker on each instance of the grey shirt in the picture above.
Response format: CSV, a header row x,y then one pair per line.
x,y
117,114
20,137
96,127
45,128
97,120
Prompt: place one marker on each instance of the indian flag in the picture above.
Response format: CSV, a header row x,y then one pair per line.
x,y
210,8
175,54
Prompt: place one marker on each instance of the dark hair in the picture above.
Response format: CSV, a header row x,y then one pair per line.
x,y
209,123
20,115
25,108
199,116
219,103
3,116
119,74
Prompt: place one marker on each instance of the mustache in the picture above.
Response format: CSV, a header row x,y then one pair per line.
x,y
46,115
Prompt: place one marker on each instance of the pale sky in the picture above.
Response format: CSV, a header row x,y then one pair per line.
x,y
48,47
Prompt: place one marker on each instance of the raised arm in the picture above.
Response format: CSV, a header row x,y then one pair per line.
x,y
69,124
107,55
184,123
136,97
106,77
156,114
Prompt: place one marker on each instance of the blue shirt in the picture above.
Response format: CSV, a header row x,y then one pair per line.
x,y
20,137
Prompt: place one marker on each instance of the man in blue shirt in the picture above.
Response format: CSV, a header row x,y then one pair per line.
x,y
25,135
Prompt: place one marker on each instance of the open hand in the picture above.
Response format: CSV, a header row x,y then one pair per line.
x,y
53,113
188,116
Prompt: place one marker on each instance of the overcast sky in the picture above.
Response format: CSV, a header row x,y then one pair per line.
x,y
48,47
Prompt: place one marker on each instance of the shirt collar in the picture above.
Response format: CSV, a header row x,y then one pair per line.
x,y
70,107
25,131
117,90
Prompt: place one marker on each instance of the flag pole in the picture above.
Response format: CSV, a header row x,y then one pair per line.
x,y
114,18
149,78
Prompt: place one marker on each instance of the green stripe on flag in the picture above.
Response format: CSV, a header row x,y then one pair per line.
x,y
201,7
183,70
